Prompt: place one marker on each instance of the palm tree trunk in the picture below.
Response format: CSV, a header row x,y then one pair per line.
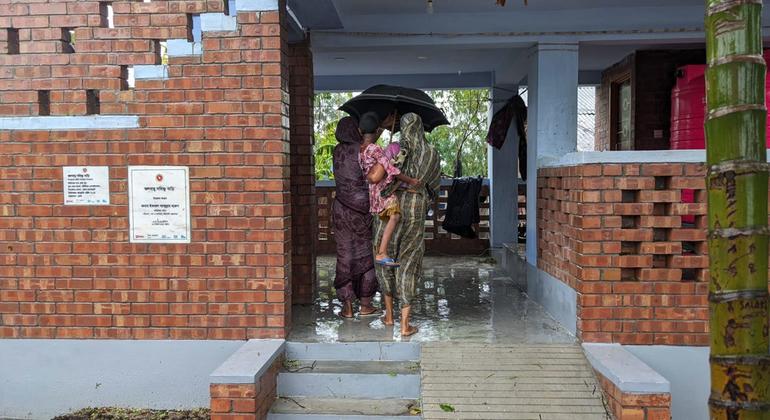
x,y
737,211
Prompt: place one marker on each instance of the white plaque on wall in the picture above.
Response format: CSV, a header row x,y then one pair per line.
x,y
159,204
86,185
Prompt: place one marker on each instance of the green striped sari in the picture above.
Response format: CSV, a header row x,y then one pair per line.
x,y
408,243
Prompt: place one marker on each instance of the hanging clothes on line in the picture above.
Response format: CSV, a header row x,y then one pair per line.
x,y
462,208
501,122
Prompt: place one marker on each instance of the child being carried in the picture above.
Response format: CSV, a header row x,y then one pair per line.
x,y
380,172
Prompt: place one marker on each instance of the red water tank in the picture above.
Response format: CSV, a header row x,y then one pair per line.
x,y
688,107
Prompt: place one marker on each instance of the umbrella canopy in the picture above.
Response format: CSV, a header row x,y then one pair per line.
x,y
383,99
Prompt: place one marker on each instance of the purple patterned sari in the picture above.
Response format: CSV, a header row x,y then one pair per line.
x,y
355,276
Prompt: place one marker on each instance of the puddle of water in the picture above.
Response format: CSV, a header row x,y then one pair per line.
x,y
459,299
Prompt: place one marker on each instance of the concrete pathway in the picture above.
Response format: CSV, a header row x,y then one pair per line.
x,y
490,381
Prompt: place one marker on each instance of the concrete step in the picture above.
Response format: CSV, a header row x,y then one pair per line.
x,y
359,351
340,366
377,386
347,409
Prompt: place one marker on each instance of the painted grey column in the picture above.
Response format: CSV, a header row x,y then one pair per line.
x,y
552,119
503,178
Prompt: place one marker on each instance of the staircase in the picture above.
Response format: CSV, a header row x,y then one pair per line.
x,y
349,381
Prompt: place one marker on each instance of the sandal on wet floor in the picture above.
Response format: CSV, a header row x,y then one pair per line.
x,y
374,312
387,262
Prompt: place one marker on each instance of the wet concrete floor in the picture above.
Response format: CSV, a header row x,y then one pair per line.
x,y
465,299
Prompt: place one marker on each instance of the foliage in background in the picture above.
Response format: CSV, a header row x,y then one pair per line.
x,y
467,111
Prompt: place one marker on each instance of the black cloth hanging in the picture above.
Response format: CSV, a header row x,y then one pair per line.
x,y
501,121
462,209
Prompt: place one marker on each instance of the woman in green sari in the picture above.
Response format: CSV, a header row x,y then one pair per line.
x,y
408,244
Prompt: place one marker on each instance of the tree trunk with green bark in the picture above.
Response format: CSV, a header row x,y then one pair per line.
x,y
737,211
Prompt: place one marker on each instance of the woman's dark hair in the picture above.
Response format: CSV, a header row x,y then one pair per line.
x,y
369,123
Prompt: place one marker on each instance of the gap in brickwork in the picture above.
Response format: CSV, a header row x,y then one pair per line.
x,y
161,51
189,27
106,15
689,248
130,79
44,102
12,40
93,105
229,6
690,274
662,182
660,209
659,261
629,196
660,234
195,28
124,84
629,274
68,40
630,222
630,248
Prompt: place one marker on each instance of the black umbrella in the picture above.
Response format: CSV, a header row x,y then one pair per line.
x,y
383,99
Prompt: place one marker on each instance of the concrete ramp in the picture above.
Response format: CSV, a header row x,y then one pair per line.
x,y
512,382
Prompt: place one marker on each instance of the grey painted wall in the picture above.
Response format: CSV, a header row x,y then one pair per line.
x,y
687,368
43,378
556,297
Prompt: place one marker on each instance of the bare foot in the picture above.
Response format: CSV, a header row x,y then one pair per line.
x,y
388,318
347,310
407,330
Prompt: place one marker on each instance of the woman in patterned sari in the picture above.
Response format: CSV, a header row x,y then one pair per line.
x,y
355,275
408,246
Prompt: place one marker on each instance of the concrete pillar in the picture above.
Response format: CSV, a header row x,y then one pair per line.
x,y
503,178
552,119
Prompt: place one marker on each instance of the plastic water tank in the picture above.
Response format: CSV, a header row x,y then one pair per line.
x,y
688,108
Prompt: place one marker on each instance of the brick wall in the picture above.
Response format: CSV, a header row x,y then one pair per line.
x,y
69,271
304,219
631,406
620,235
245,401
653,75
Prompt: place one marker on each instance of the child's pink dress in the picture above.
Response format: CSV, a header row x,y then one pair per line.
x,y
383,206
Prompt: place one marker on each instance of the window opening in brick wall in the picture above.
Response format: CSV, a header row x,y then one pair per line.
x,y
12,40
44,102
93,106
106,14
621,109
68,40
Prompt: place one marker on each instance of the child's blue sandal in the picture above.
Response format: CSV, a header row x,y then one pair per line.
x,y
388,262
